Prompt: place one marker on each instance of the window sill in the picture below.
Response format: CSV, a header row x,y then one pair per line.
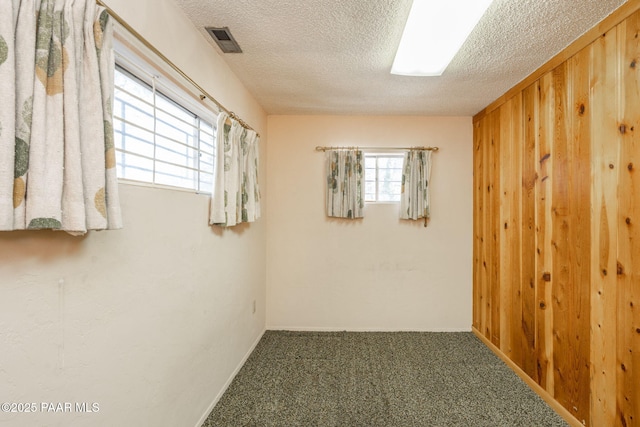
x,y
160,186
382,203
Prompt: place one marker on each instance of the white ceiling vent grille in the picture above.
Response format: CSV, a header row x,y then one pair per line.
x,y
222,36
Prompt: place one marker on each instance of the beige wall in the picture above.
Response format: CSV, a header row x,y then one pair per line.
x,y
150,321
378,273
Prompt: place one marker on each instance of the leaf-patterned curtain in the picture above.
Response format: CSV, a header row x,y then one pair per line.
x,y
57,159
414,197
345,189
236,193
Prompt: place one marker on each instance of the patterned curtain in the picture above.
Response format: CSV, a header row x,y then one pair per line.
x,y
57,159
414,197
236,194
345,189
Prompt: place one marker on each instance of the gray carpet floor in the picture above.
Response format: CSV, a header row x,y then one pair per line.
x,y
377,379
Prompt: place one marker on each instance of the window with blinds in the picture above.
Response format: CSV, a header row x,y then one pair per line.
x,y
383,177
158,140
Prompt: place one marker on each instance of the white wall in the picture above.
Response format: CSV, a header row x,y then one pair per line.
x,y
378,273
151,321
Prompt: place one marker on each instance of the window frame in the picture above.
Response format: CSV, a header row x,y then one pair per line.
x,y
378,155
168,88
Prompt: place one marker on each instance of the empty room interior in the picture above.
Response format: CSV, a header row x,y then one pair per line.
x,y
282,226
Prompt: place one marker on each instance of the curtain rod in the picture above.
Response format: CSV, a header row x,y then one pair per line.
x,y
319,148
203,93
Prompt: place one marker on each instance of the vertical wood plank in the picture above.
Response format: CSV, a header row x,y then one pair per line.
x,y
571,191
482,216
578,290
477,223
515,226
506,227
561,226
494,234
605,143
530,100
485,319
629,227
544,270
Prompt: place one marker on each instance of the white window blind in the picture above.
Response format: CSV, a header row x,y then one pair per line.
x,y
158,140
383,177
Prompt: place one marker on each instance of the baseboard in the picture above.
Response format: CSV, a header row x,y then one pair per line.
x,y
544,394
373,329
228,383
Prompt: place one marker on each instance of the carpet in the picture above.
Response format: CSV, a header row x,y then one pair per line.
x,y
377,379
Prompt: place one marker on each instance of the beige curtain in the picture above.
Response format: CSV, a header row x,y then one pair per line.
x,y
57,159
236,192
345,189
416,174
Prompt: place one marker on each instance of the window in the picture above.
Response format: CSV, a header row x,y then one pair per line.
x,y
383,177
157,139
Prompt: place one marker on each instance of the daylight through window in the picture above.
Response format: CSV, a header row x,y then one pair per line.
x,y
383,177
158,140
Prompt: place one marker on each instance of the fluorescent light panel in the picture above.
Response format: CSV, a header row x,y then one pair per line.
x,y
435,31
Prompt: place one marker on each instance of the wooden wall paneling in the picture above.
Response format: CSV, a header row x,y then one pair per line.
x,y
605,143
572,320
494,234
530,109
629,227
544,270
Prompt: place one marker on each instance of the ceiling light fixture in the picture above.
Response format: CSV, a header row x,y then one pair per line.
x,y
433,34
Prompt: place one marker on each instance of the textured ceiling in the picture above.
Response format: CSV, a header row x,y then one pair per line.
x,y
334,56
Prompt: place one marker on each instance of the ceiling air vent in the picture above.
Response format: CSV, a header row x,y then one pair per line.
x,y
224,39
